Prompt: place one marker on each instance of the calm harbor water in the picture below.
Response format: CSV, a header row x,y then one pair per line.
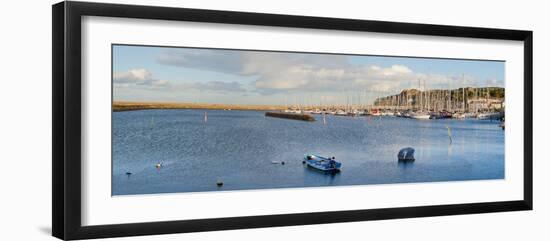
x,y
238,148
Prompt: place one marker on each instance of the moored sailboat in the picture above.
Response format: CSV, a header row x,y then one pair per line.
x,y
420,115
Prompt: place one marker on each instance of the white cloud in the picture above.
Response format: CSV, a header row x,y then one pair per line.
x,y
133,75
295,74
278,72
140,77
143,79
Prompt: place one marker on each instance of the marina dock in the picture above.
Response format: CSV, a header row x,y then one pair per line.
x,y
463,103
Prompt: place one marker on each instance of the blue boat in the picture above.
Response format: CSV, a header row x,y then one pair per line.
x,y
322,163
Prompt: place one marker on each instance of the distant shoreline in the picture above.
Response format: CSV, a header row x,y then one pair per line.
x,y
119,106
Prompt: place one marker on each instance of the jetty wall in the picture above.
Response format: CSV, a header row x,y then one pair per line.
x,y
302,117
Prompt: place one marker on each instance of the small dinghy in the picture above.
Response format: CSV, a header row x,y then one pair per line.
x,y
406,154
322,163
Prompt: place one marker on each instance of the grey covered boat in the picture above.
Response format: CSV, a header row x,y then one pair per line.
x,y
406,154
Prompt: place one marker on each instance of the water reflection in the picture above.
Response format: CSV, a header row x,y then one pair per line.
x,y
449,151
405,164
327,178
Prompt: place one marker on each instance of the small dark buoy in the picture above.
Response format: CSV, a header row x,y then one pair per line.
x,y
282,163
303,162
219,183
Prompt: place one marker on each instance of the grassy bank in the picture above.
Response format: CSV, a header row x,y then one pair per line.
x,y
129,106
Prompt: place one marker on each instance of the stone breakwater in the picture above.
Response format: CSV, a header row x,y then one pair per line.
x,y
302,117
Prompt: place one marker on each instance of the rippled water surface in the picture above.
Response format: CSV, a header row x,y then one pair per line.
x,y
238,148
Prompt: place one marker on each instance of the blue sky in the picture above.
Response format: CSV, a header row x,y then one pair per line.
x,y
143,73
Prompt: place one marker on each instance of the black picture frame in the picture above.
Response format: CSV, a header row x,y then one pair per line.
x,y
66,127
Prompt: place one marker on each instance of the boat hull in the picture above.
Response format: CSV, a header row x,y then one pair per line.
x,y
420,117
333,170
322,164
490,116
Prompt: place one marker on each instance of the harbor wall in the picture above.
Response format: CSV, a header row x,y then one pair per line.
x,y
302,117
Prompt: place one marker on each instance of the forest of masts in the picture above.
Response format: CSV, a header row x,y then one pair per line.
x,y
460,100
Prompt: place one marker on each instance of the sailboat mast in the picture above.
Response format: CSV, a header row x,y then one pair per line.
x,y
420,92
450,99
463,96
428,97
